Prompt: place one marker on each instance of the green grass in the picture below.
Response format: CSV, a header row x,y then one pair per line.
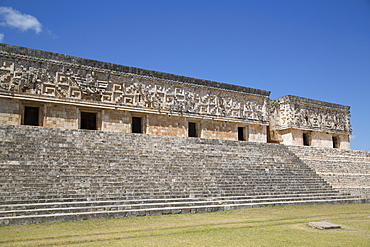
x,y
266,226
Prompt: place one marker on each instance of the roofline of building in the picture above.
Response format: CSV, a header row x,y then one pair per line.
x,y
311,102
78,61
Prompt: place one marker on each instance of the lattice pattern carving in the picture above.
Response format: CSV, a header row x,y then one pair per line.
x,y
290,112
93,84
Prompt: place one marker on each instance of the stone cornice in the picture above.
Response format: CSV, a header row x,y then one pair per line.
x,y
307,128
45,56
311,102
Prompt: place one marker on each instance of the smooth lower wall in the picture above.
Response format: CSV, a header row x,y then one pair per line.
x,y
218,130
166,125
294,137
60,116
10,112
68,116
257,133
116,121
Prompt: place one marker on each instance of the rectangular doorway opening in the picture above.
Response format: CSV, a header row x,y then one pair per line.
x,y
241,134
88,121
31,116
192,131
335,142
306,140
137,125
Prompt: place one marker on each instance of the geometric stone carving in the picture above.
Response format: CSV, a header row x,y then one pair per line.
x,y
66,77
53,78
302,113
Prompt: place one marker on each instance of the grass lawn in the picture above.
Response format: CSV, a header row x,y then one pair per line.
x,y
266,226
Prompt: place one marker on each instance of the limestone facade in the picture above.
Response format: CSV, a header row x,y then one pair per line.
x,y
60,91
296,121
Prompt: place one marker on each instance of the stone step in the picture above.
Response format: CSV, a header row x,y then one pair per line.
x,y
66,214
164,195
135,197
56,166
95,207
61,181
157,193
65,182
230,199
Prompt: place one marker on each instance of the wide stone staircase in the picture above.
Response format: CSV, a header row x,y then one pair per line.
x,y
49,175
345,170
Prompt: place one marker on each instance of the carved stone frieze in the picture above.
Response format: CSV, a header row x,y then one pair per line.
x,y
72,81
302,113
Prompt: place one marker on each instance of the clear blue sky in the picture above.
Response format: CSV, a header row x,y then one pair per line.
x,y
318,49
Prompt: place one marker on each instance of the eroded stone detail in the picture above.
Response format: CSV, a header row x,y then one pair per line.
x,y
301,113
93,84
43,79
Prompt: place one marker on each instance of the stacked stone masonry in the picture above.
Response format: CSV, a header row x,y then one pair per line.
x,y
50,174
51,163
62,88
345,170
83,139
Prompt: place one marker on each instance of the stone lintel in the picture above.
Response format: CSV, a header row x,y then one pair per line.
x,y
314,129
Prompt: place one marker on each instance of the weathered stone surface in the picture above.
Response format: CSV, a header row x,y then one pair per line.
x,y
302,113
345,170
68,174
62,87
323,225
291,117
109,142
144,90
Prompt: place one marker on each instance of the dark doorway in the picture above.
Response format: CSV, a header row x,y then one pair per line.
x,y
306,141
31,116
335,142
241,134
136,125
192,132
88,120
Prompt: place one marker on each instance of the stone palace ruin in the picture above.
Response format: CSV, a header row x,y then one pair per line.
x,y
52,90
77,132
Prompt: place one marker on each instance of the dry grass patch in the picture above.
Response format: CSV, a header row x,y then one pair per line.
x,y
266,226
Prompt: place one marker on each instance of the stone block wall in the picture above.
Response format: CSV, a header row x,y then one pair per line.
x,y
218,130
344,141
325,140
315,138
10,112
60,116
291,137
116,121
68,116
319,139
257,133
167,125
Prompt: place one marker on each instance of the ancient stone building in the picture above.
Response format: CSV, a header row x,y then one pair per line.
x,y
300,121
59,91
83,139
